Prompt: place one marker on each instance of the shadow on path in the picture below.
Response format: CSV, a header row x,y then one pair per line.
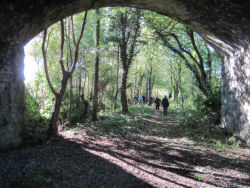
x,y
155,157
62,164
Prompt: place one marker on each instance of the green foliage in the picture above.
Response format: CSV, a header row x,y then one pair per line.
x,y
200,127
210,107
219,145
77,110
152,57
198,176
113,119
140,110
237,162
36,124
112,123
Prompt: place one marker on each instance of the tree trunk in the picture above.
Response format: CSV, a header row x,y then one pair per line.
x,y
79,88
136,92
150,90
95,97
182,98
140,84
70,100
179,85
146,88
117,78
176,92
123,91
53,125
85,106
150,85
129,32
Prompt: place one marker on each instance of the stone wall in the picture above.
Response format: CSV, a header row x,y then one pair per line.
x,y
235,110
12,100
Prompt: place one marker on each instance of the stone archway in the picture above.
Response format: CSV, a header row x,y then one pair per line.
x,y
224,24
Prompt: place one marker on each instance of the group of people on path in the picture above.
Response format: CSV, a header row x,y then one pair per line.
x,y
164,102
141,99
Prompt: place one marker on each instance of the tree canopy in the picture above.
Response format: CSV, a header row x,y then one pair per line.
x,y
139,53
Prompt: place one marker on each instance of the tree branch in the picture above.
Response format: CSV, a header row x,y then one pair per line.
x,y
78,43
73,31
46,64
137,25
62,46
192,68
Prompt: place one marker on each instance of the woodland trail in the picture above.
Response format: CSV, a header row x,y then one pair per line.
x,y
157,157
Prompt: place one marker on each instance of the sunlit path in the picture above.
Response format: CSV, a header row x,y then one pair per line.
x,y
164,161
156,156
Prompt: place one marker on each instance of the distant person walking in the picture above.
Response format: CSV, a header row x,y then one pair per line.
x,y
157,103
165,105
140,99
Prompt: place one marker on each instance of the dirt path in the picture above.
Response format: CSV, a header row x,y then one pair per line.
x,y
151,159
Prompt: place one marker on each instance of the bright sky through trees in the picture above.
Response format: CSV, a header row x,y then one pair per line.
x,y
30,66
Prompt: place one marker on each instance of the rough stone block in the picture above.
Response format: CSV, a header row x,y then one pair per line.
x,y
12,103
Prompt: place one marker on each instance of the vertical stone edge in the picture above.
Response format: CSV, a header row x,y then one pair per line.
x,y
235,109
12,99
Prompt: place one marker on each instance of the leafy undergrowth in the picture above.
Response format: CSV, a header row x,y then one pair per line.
x,y
35,122
142,149
189,124
198,127
114,124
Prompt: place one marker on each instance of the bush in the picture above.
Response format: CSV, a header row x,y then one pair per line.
x,y
36,125
140,110
211,105
113,123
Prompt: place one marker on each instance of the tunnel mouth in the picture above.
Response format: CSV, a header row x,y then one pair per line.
x,y
222,30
